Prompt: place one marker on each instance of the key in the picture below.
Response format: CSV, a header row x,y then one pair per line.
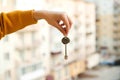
x,y
66,56
65,41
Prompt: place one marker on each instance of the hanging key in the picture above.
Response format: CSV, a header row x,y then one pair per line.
x,y
65,41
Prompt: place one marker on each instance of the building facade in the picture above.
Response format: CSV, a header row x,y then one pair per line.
x,y
82,47
116,29
107,20
7,52
36,52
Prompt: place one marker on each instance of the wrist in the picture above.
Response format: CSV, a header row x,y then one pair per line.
x,y
37,15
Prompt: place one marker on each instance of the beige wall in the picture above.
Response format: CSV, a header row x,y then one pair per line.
x,y
105,32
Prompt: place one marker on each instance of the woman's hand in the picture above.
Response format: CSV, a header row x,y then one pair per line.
x,y
57,19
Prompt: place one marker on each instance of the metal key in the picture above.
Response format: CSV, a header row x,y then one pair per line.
x,y
65,41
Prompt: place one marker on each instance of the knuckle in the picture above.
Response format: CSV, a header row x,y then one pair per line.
x,y
63,14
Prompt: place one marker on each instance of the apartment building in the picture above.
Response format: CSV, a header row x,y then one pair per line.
x,y
107,25
37,53
6,52
82,47
116,28
24,54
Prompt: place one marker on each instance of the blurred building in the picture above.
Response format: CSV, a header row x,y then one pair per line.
x,y
6,47
36,52
82,47
23,54
116,26
107,19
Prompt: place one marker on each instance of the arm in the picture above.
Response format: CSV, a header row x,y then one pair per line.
x,y
16,20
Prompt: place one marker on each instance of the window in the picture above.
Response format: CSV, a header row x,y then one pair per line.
x,y
115,48
23,70
34,67
6,39
22,55
39,65
88,34
115,24
87,25
33,36
59,74
66,71
22,38
8,75
33,43
7,56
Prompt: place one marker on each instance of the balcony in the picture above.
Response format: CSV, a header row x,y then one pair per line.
x,y
97,20
20,47
53,54
33,75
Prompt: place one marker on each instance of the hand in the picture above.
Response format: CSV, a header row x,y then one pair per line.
x,y
59,20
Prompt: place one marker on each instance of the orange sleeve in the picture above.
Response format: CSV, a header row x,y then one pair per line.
x,y
16,20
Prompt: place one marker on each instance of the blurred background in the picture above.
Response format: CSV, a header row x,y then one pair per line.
x,y
37,53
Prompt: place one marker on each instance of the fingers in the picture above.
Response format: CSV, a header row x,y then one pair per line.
x,y
54,19
66,23
65,20
59,27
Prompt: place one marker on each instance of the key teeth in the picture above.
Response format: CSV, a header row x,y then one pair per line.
x,y
66,57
